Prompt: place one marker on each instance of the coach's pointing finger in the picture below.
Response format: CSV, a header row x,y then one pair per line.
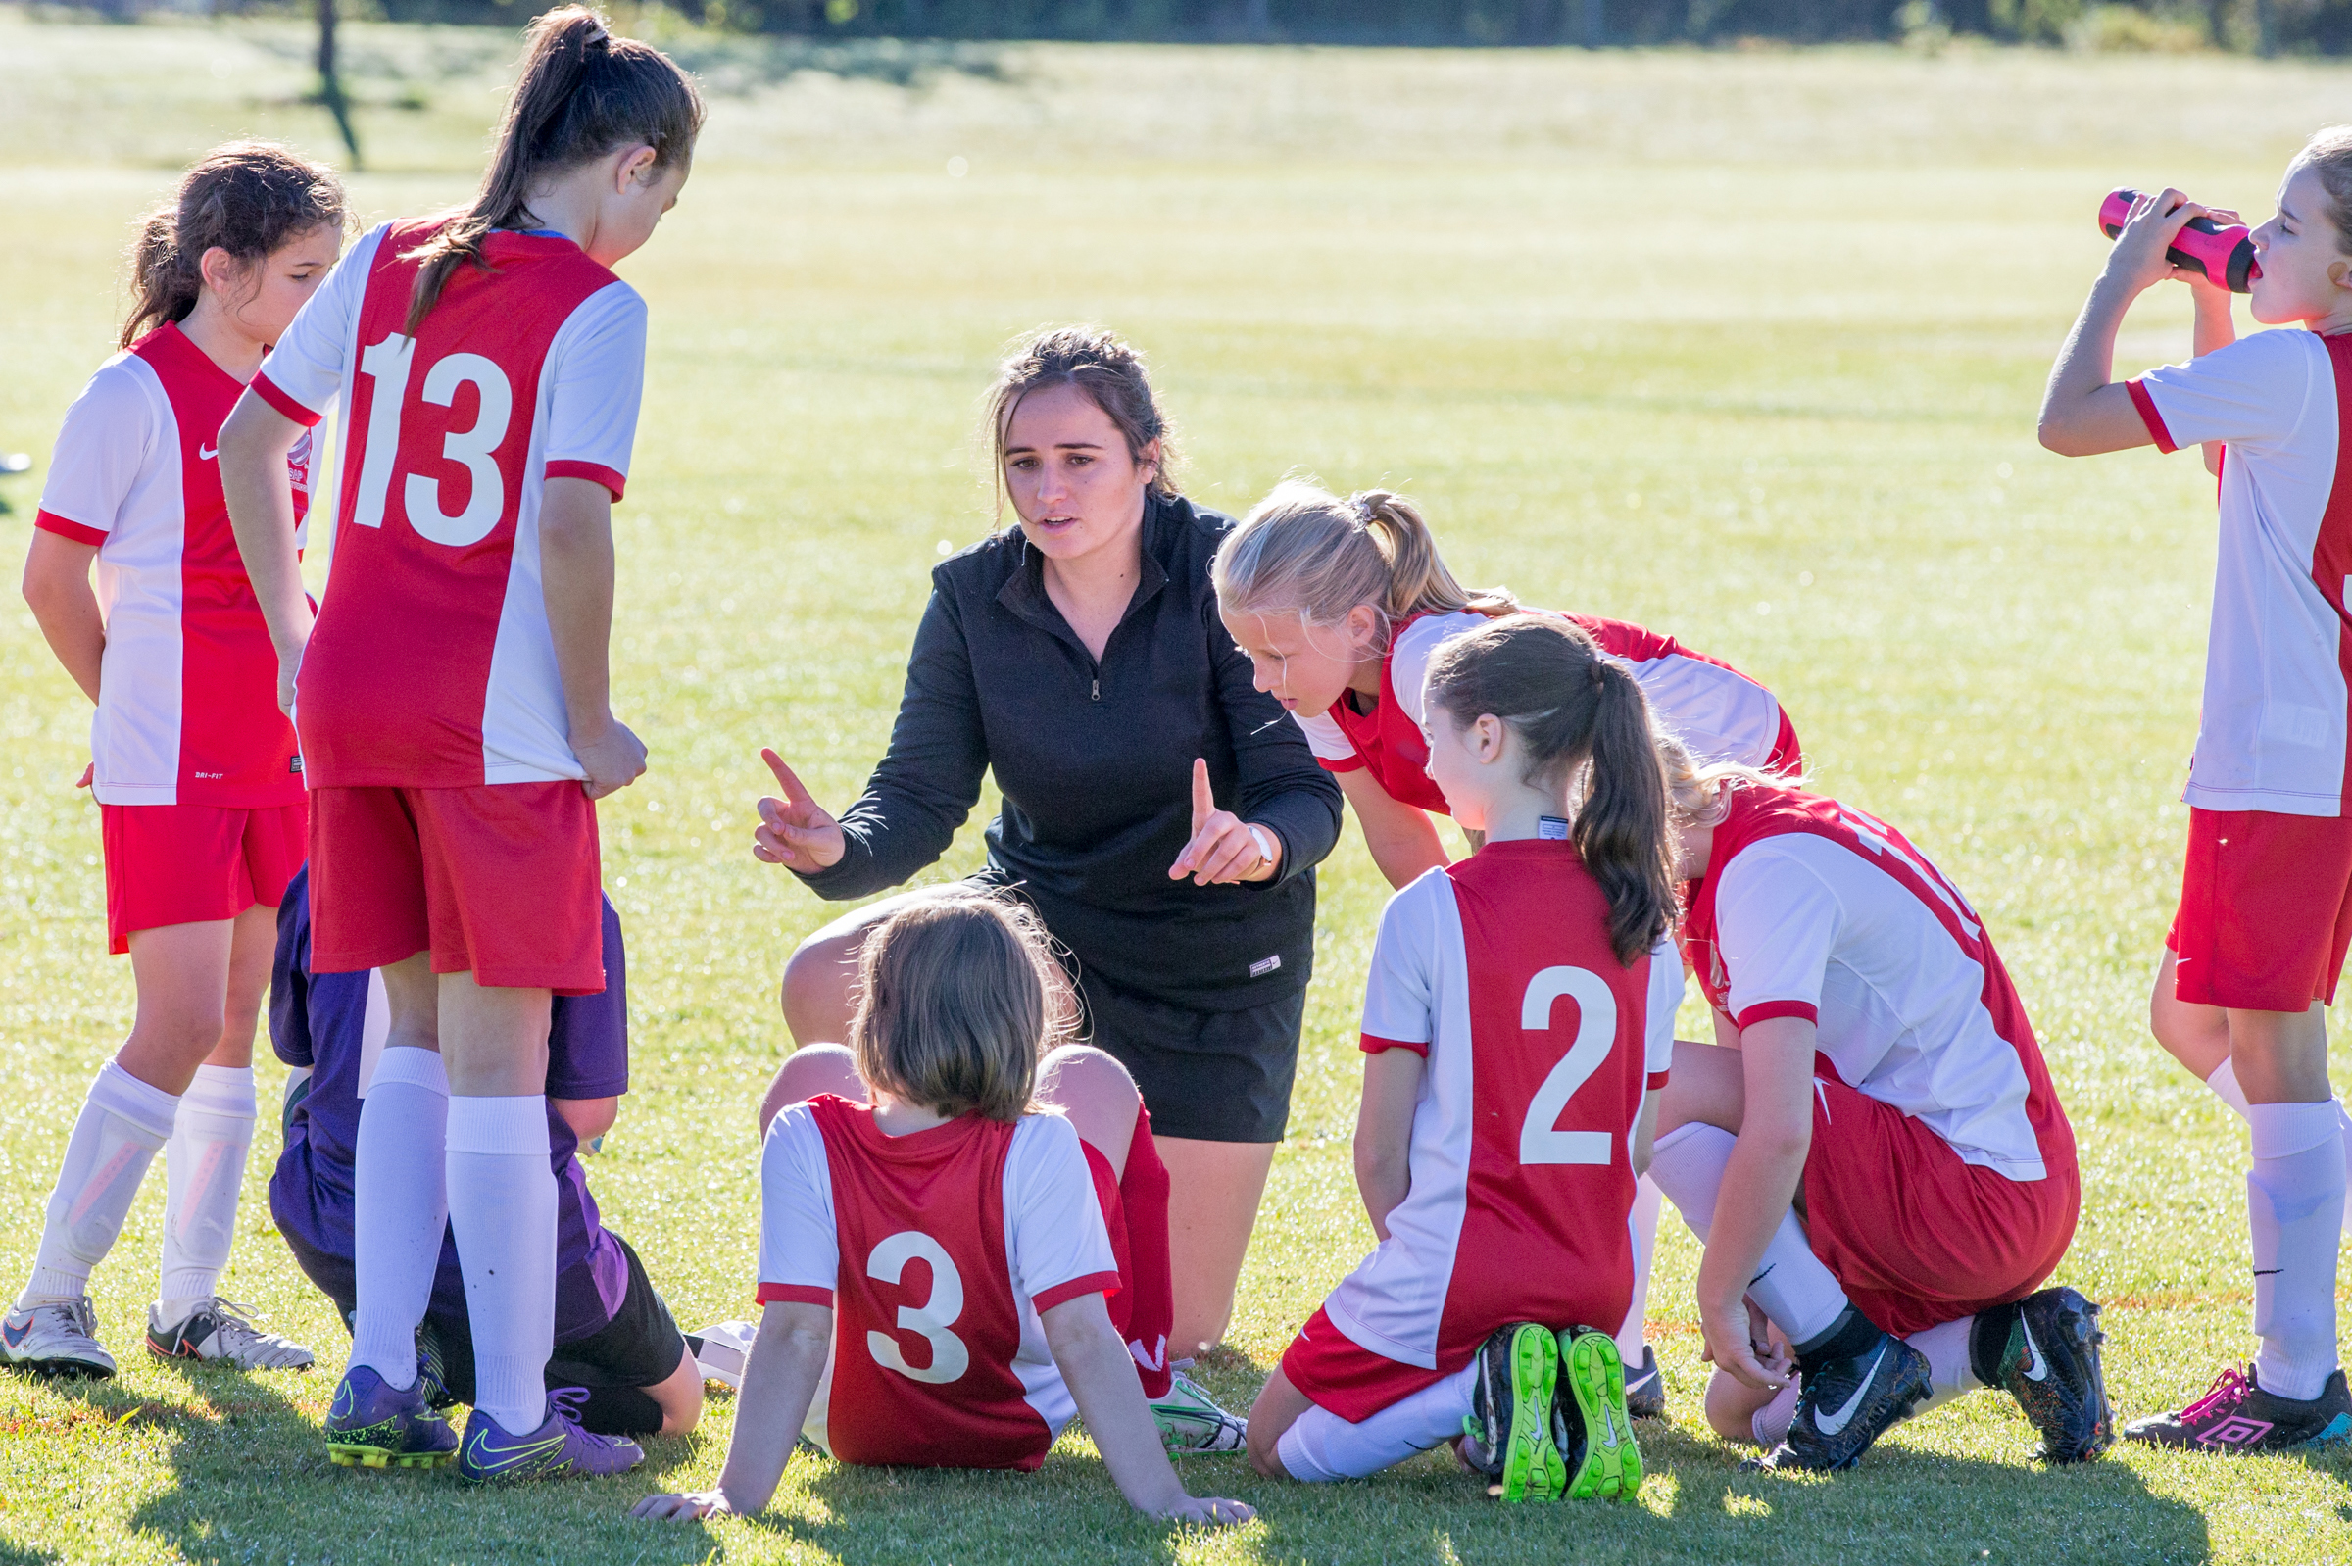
x,y
795,831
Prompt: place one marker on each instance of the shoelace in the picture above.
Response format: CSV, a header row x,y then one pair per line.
x,y
569,1404
2229,1391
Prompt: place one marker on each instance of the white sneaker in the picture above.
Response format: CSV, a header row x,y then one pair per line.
x,y
56,1339
1191,1421
720,1350
221,1330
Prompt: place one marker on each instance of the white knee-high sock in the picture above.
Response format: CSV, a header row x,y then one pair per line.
x,y
400,1207
2295,1209
1320,1447
1950,1374
1795,1290
502,1203
1648,1201
2224,1084
122,1125
204,1165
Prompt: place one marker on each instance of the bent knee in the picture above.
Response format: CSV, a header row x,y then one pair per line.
x,y
1090,1071
811,1070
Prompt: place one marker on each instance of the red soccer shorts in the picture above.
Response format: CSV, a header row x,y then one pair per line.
x,y
502,880
1916,1235
2266,910
173,865
1343,1377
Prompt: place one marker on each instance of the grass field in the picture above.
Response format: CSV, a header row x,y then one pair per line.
x,y
1742,346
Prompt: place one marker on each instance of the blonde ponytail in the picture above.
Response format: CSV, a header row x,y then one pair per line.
x,y
1306,552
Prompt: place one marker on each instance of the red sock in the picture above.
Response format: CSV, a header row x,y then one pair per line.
x,y
1151,1288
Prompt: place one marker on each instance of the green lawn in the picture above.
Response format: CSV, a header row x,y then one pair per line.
x,y
1742,346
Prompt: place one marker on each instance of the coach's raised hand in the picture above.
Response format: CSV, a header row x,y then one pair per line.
x,y
1223,848
795,831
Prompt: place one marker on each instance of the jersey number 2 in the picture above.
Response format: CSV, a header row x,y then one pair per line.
x,y
1541,1143
949,1354
389,362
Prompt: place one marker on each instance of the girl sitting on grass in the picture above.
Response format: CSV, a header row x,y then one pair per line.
x,y
1520,1007
939,1156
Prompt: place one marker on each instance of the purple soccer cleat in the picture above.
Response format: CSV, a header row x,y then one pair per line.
x,y
372,1424
560,1447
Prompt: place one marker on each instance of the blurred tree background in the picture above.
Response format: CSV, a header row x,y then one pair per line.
x,y
2264,27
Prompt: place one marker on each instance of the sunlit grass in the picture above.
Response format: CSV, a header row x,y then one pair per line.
x,y
1747,348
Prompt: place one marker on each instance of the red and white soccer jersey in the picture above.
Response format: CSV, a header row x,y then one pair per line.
x,y
936,1252
187,693
2275,727
432,663
1540,1046
1813,909
1721,715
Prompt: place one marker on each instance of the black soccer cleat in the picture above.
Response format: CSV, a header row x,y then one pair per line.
x,y
1847,1405
2048,1357
1645,1388
2238,1415
1507,1435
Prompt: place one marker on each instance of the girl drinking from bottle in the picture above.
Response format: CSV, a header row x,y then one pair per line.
x,y
1340,605
1519,1013
2253,956
199,787
455,719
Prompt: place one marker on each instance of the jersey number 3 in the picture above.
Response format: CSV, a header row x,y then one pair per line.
x,y
1541,1143
388,365
949,1357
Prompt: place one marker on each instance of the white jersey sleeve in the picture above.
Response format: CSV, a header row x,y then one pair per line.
x,y
597,365
1401,993
109,439
1324,738
2253,390
800,1245
1053,1227
1775,925
310,363
1409,660
1665,999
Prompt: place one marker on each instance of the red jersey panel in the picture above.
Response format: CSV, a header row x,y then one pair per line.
x,y
1540,1045
1721,715
432,663
1815,909
187,698
937,1251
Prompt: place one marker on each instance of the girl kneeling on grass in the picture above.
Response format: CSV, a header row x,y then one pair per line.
x,y
1521,1005
200,791
936,1153
1340,604
1873,1148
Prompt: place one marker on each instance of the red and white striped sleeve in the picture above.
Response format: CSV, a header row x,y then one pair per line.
x,y
597,363
800,1245
108,437
307,367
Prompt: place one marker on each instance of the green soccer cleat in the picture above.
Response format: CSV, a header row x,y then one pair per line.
x,y
1509,1432
1191,1421
1591,1425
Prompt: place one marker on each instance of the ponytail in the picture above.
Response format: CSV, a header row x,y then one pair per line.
x,y
1585,725
247,198
1304,551
581,94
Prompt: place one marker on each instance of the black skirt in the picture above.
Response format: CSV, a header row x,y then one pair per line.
x,y
1220,1076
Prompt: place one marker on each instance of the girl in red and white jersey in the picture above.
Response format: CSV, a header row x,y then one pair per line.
x,y
1876,1070
455,716
198,782
1519,1010
936,1156
1340,605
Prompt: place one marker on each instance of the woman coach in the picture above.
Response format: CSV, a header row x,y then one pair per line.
x,y
1080,656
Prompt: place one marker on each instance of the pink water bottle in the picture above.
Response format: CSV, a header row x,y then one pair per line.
x,y
2223,255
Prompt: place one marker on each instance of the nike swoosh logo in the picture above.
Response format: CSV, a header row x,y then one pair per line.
x,y
16,1335
205,454
2037,1368
1835,1422
485,1456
